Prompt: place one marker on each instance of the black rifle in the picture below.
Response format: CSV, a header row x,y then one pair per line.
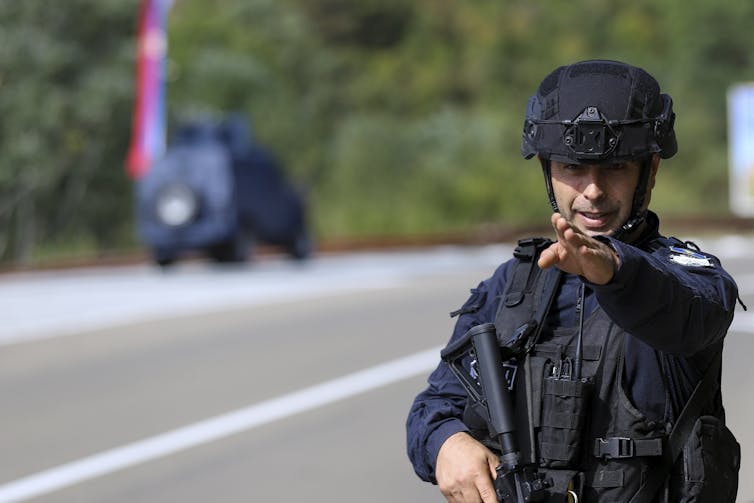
x,y
485,382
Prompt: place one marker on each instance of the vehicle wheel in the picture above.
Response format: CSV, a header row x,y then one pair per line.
x,y
163,258
235,249
302,246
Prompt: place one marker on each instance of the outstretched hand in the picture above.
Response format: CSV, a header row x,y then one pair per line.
x,y
576,253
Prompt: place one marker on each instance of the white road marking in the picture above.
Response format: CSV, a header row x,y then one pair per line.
x,y
218,427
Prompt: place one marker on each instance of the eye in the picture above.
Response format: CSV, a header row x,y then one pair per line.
x,y
568,169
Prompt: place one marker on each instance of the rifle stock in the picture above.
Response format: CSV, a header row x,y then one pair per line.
x,y
515,482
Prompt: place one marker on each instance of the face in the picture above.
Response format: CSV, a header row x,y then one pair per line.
x,y
597,198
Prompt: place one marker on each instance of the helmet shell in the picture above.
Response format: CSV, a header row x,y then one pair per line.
x,y
598,111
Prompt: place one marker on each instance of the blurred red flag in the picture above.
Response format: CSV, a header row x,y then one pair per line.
x,y
148,129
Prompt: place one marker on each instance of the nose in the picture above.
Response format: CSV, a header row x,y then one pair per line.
x,y
594,180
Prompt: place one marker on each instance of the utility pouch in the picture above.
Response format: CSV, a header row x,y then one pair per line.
x,y
711,460
565,405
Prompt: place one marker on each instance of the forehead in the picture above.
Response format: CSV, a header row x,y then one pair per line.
x,y
558,164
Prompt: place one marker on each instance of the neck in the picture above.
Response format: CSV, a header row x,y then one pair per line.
x,y
638,228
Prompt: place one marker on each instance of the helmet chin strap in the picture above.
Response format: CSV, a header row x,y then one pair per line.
x,y
638,215
633,225
548,183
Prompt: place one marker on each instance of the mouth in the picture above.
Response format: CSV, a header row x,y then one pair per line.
x,y
596,221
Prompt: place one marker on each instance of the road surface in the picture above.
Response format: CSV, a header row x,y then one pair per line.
x,y
269,382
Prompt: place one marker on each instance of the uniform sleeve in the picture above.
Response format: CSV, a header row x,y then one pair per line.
x,y
437,412
676,300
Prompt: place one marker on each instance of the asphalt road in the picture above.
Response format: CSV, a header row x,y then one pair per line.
x,y
271,382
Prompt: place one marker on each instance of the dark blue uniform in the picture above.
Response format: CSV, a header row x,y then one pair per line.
x,y
675,303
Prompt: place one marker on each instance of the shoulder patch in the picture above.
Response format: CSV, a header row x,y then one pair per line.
x,y
686,257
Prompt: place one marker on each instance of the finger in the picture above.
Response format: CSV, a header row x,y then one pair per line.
x,y
549,257
560,224
487,491
451,498
568,235
455,496
493,462
576,239
466,495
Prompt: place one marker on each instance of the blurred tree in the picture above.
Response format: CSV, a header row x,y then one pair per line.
x,y
65,94
400,116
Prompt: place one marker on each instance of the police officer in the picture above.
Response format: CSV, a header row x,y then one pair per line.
x,y
642,317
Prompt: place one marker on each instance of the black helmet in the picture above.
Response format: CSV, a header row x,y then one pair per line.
x,y
599,111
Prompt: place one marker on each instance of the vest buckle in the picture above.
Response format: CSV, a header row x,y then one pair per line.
x,y
614,448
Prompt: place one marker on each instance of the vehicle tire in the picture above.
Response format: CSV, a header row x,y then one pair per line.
x,y
163,258
302,246
234,250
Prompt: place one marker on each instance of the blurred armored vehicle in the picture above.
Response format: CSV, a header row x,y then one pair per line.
x,y
217,192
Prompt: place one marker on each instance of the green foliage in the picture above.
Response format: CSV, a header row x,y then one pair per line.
x,y
447,170
65,97
399,116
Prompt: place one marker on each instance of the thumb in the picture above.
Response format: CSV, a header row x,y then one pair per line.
x,y
549,256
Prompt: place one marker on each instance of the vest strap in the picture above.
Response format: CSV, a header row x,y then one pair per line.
x,y
527,253
703,392
624,447
519,320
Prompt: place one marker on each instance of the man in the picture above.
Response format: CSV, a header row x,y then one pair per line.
x,y
636,321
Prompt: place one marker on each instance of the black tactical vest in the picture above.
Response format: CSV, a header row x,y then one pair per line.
x,y
584,433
